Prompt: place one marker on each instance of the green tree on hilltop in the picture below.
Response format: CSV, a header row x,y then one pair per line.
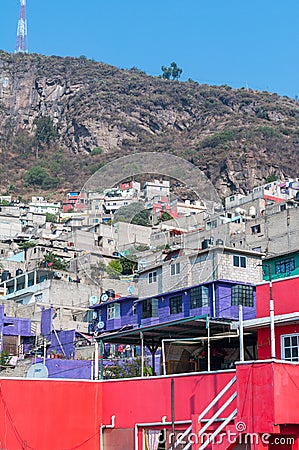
x,y
173,71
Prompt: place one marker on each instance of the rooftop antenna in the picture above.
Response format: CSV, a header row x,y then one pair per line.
x,y
22,41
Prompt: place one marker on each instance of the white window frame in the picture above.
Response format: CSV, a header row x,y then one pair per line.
x,y
134,309
113,311
175,268
283,347
240,258
152,277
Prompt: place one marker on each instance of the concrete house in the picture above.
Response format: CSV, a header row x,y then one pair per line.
x,y
25,294
154,188
195,280
179,269
14,332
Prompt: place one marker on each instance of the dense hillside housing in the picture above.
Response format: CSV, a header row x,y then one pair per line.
x,y
202,309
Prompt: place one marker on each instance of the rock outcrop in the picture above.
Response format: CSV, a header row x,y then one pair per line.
x,y
238,137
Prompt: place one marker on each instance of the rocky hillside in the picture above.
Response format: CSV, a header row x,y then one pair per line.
x,y
63,118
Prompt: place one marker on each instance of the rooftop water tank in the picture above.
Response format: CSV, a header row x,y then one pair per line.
x,y
252,211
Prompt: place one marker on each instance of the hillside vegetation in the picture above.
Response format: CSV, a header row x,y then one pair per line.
x,y
63,118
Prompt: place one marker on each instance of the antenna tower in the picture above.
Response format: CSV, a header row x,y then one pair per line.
x,y
22,41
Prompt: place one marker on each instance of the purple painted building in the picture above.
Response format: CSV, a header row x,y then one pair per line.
x,y
14,332
219,300
68,368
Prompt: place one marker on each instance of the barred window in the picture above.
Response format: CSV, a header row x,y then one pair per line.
x,y
242,295
199,297
176,304
39,297
285,266
289,347
150,308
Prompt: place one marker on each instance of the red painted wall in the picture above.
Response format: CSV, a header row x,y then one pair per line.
x,y
67,415
263,342
286,383
64,415
49,415
285,295
267,395
255,397
148,400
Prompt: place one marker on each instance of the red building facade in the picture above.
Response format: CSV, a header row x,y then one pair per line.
x,y
285,294
256,406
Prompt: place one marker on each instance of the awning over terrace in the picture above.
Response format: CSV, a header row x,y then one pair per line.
x,y
189,328
196,331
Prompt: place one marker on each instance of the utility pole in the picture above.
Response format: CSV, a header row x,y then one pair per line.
x,y
22,40
272,324
241,332
96,360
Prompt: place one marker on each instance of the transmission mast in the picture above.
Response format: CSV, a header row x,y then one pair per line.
x,y
22,40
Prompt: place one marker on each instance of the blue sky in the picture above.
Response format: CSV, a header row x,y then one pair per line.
x,y
232,42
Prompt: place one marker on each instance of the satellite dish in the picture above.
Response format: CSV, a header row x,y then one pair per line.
x,y
104,297
131,289
37,371
93,299
100,325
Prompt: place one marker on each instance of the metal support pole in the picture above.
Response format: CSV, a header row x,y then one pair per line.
x,y
272,324
241,333
153,352
102,348
91,369
153,361
45,351
96,360
163,357
214,299
209,345
142,354
172,413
